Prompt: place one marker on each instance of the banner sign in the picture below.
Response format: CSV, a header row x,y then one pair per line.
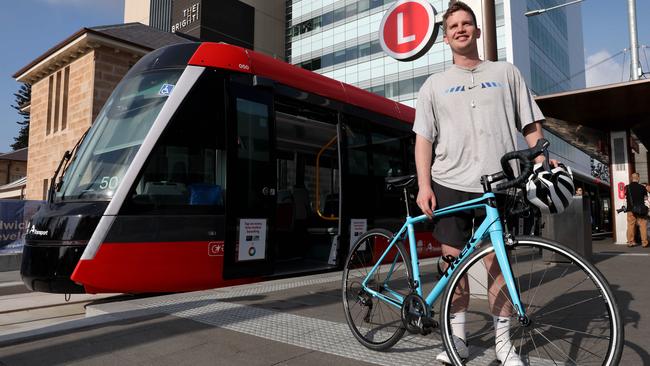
x,y
14,222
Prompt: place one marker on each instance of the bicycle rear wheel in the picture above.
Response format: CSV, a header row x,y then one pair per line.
x,y
376,323
572,316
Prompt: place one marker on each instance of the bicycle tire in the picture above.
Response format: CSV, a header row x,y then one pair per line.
x,y
579,324
375,323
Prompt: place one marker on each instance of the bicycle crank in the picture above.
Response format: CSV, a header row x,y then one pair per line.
x,y
417,316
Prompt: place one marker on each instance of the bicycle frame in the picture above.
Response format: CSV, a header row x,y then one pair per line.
x,y
491,226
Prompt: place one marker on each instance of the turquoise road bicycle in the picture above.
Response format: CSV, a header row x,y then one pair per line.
x,y
561,307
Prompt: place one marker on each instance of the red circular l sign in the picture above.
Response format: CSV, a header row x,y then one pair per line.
x,y
408,29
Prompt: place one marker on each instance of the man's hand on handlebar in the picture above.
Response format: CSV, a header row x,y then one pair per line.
x,y
553,162
426,200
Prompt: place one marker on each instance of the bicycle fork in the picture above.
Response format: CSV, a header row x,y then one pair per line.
x,y
496,236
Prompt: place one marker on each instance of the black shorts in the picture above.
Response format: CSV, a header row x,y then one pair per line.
x,y
456,229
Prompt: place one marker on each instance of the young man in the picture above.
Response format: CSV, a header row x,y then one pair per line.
x,y
467,117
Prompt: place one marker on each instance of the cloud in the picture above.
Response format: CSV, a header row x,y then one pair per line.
x,y
602,69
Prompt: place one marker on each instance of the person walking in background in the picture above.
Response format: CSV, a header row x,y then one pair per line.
x,y
637,211
647,204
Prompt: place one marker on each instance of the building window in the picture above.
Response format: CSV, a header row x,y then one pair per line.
x,y
64,106
45,188
57,101
50,88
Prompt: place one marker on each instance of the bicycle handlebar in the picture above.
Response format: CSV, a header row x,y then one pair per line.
x,y
525,157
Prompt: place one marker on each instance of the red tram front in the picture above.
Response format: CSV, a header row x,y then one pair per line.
x,y
212,165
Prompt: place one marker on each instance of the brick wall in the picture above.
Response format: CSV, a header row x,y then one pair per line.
x,y
91,80
110,68
47,148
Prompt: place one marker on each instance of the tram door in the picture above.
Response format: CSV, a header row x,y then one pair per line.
x,y
251,193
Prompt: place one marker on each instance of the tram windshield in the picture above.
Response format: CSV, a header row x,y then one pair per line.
x,y
117,134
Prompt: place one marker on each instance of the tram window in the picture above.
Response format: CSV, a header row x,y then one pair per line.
x,y
357,142
386,155
373,153
185,172
301,133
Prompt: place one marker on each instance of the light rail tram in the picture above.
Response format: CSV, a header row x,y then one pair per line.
x,y
212,165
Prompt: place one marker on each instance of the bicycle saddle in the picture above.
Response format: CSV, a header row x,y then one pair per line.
x,y
400,182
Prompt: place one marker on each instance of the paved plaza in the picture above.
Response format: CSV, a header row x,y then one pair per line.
x,y
296,321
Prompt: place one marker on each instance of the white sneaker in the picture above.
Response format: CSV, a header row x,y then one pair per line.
x,y
461,347
507,355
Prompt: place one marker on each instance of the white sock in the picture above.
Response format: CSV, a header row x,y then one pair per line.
x,y
502,334
458,325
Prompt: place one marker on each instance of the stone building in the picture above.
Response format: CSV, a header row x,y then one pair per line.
x,y
13,169
13,166
70,83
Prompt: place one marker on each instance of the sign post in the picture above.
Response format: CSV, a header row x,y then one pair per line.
x,y
409,29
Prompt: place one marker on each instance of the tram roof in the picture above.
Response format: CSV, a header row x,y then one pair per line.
x,y
601,109
226,56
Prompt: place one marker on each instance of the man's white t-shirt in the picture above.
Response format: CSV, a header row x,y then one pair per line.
x,y
472,117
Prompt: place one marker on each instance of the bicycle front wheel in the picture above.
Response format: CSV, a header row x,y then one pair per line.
x,y
373,312
571,314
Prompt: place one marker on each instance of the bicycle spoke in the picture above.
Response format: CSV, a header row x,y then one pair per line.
x,y
530,279
574,344
568,306
555,346
573,330
479,282
532,301
566,291
521,342
500,289
532,340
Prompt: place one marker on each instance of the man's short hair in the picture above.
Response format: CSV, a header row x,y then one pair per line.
x,y
636,177
454,7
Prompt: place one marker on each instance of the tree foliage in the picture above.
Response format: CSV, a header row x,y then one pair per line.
x,y
23,98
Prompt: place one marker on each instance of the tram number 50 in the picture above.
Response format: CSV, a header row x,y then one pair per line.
x,y
109,182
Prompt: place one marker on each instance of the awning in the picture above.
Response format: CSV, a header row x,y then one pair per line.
x,y
584,117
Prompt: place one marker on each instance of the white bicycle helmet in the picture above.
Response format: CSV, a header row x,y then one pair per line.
x,y
551,191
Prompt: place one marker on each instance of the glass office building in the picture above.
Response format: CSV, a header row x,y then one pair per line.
x,y
339,39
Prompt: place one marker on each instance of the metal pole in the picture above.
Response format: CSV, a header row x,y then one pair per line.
x,y
540,11
489,30
634,44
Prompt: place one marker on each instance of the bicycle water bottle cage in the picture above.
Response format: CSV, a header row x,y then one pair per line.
x,y
449,259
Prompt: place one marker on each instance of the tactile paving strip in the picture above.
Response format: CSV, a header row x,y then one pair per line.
x,y
209,307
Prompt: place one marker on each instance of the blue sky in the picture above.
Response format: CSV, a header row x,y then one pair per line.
x,y
28,28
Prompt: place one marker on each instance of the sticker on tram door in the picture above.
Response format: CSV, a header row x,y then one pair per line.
x,y
252,239
215,249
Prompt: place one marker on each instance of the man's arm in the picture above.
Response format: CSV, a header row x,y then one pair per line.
x,y
426,200
532,133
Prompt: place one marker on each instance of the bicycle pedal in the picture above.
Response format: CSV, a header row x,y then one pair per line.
x,y
428,325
